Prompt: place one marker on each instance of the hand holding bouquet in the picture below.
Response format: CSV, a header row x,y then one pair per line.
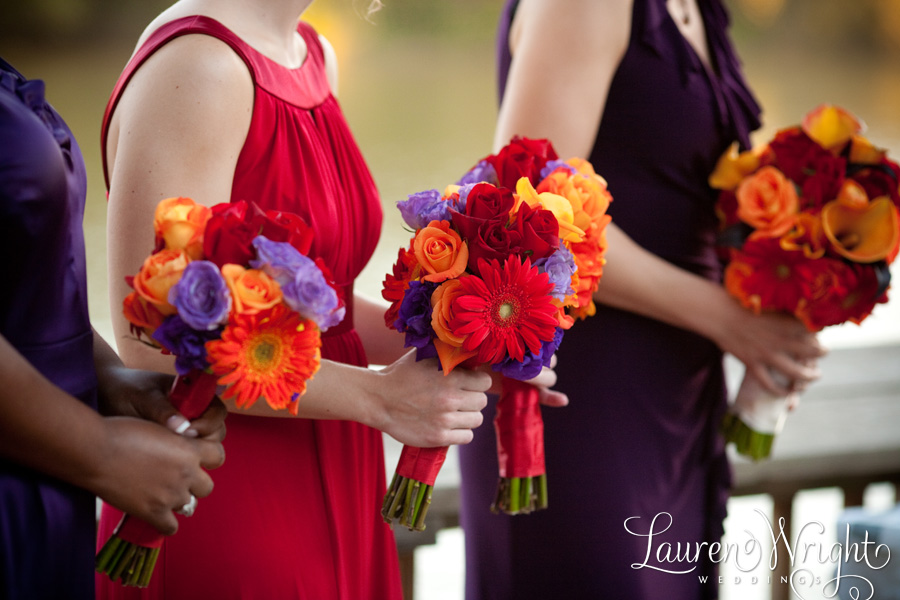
x,y
811,224
230,292
493,277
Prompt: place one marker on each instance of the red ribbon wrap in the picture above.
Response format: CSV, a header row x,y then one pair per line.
x,y
191,394
421,464
520,430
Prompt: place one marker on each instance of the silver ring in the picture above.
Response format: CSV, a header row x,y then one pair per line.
x,y
189,508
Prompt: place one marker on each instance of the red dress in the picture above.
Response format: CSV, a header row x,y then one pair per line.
x,y
295,511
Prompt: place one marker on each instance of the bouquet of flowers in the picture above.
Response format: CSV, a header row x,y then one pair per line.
x,y
810,221
493,277
230,292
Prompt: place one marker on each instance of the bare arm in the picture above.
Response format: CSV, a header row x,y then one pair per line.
x,y
135,465
583,41
178,131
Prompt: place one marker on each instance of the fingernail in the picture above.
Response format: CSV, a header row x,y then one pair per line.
x,y
191,433
178,424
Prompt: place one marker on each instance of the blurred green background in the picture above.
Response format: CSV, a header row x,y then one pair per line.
x,y
417,85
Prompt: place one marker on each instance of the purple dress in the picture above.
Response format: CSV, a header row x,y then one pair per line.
x,y
46,525
640,436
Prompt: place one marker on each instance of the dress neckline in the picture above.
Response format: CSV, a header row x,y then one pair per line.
x,y
216,24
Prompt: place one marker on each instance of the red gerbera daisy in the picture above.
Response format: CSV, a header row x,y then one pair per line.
x,y
505,311
269,355
765,276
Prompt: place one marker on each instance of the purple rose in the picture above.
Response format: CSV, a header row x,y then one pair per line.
x,y
279,260
309,294
559,267
201,296
483,172
422,208
530,366
414,317
186,343
553,165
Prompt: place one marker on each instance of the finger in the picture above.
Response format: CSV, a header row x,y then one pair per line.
x,y
459,437
793,370
211,424
553,361
202,485
474,381
464,420
553,398
165,522
545,379
764,376
212,454
471,402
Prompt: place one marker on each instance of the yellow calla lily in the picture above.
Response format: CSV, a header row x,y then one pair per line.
x,y
733,167
558,205
863,235
863,152
831,126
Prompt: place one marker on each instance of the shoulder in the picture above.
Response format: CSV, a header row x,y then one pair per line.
x,y
588,24
331,63
195,73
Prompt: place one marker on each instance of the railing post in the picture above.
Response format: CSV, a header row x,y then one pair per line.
x,y
782,508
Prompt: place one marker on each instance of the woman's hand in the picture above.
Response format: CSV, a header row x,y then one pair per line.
x,y
776,348
148,472
419,406
544,380
144,394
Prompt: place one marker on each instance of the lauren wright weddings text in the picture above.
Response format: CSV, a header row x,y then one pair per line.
x,y
683,558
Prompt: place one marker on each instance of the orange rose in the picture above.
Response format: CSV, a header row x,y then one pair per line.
x,y
142,315
586,192
449,346
768,202
179,225
158,274
252,291
440,251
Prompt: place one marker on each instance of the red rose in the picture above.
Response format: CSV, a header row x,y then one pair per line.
x,y
232,228
847,292
539,232
492,240
522,157
486,201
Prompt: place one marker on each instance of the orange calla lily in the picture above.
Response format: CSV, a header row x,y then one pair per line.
x,y
831,126
733,167
863,152
862,235
853,195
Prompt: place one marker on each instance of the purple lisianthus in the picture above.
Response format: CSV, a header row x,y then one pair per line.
x,y
186,343
414,316
304,286
201,296
530,366
483,172
278,260
421,208
553,165
559,267
309,294
464,197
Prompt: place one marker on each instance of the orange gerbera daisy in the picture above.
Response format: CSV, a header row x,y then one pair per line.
x,y
504,313
268,355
